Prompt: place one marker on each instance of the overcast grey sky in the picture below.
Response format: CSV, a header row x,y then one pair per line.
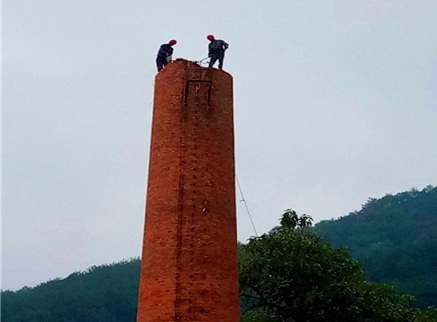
x,y
335,102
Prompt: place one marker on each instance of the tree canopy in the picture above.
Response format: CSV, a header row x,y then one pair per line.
x,y
291,274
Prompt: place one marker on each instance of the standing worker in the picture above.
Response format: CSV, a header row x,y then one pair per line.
x,y
216,50
164,54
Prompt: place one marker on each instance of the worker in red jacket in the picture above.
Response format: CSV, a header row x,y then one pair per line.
x,y
164,54
216,50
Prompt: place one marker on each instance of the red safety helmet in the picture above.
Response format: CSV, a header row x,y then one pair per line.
x,y
172,42
210,37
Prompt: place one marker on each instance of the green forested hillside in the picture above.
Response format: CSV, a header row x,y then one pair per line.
x,y
101,294
395,240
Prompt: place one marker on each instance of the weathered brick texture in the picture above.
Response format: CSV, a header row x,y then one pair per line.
x,y
189,262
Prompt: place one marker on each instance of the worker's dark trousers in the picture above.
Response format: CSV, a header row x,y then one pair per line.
x,y
161,62
220,55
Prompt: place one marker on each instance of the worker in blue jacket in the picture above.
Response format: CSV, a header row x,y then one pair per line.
x,y
164,54
216,50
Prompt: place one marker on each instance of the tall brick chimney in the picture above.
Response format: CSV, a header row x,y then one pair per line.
x,y
189,261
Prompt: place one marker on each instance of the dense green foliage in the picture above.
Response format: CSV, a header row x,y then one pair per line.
x,y
395,240
291,274
101,294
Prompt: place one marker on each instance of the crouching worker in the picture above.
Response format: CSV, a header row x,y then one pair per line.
x,y
164,54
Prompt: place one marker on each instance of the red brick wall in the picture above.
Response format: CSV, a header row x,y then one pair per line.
x,y
189,262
